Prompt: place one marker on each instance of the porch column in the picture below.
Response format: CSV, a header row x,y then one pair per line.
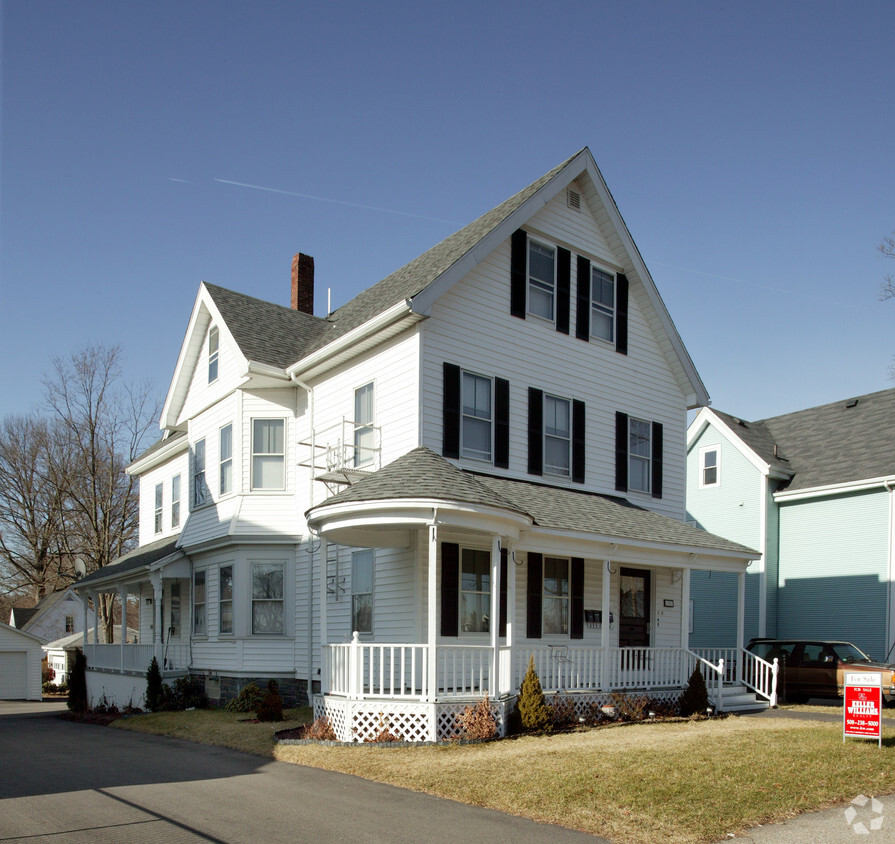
x,y
96,617
513,682
685,608
85,597
432,626
122,598
604,627
494,621
741,622
323,572
155,578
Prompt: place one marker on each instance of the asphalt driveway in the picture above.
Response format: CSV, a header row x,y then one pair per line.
x,y
70,782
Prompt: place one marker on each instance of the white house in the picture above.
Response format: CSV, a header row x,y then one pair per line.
x,y
390,509
55,615
20,657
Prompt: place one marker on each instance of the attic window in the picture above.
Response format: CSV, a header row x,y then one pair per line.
x,y
574,199
213,347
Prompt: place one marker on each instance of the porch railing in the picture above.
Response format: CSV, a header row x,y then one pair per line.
x,y
742,666
136,657
713,676
362,669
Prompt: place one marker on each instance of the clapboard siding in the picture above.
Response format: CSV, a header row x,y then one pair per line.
x,y
834,569
471,326
201,394
163,474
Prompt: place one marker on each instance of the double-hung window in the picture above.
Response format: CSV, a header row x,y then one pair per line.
x,y
175,501
200,487
267,598
709,469
268,453
602,318
555,617
557,436
477,417
174,619
639,455
475,591
69,624
199,603
225,599
541,280
362,591
214,342
159,504
364,433
226,456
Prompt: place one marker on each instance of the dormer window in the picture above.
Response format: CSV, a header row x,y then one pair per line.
x,y
214,341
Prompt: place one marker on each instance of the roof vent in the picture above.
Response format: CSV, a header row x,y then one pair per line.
x,y
852,403
574,199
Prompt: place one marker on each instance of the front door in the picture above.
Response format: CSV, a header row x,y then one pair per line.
x,y
634,608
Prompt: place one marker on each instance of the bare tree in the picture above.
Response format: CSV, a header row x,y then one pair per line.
x,y
32,503
887,288
103,425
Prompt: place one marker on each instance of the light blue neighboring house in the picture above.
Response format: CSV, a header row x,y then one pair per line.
x,y
814,491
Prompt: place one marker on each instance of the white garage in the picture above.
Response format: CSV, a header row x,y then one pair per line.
x,y
20,656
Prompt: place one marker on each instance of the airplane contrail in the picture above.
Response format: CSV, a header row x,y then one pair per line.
x,y
335,201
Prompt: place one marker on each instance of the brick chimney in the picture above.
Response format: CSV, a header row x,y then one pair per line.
x,y
303,283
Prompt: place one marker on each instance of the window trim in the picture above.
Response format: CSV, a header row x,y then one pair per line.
x,y
567,598
159,507
599,307
548,470
222,601
364,427
647,459
214,350
461,631
175,501
225,463
464,452
201,494
273,564
703,452
542,244
356,555
203,604
254,454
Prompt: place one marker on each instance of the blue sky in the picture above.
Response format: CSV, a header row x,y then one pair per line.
x,y
749,148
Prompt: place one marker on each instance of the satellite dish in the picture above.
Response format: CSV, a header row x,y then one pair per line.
x,y
80,568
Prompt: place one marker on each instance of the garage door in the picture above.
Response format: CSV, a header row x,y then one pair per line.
x,y
13,684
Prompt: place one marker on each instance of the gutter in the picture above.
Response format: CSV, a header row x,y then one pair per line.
x,y
834,489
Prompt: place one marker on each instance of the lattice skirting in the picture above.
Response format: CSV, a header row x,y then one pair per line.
x,y
364,720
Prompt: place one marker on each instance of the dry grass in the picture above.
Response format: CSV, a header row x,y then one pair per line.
x,y
674,781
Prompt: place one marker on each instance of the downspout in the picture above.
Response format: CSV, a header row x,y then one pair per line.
x,y
890,488
310,629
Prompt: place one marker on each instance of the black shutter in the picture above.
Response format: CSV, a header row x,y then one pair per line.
x,y
582,298
450,588
621,452
576,593
535,584
579,452
657,460
563,288
504,571
450,446
535,432
621,313
501,423
518,272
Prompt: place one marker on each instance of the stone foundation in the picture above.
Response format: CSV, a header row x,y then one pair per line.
x,y
220,688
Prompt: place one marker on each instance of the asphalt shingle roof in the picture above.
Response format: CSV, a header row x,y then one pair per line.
x,y
142,557
841,442
423,474
265,332
178,435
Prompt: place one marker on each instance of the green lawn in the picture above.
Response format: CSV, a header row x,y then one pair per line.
x,y
676,781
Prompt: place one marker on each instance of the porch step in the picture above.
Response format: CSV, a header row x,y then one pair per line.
x,y
741,699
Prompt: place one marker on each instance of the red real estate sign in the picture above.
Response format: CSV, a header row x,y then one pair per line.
x,y
863,705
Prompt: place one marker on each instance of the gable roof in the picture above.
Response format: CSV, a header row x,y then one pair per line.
x,y
421,473
20,616
27,618
838,443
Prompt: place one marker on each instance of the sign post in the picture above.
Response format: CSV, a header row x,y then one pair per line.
x,y
862,706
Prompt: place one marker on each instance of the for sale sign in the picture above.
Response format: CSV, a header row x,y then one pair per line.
x,y
863,705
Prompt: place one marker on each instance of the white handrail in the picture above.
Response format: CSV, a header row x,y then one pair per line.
x,y
760,675
717,680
